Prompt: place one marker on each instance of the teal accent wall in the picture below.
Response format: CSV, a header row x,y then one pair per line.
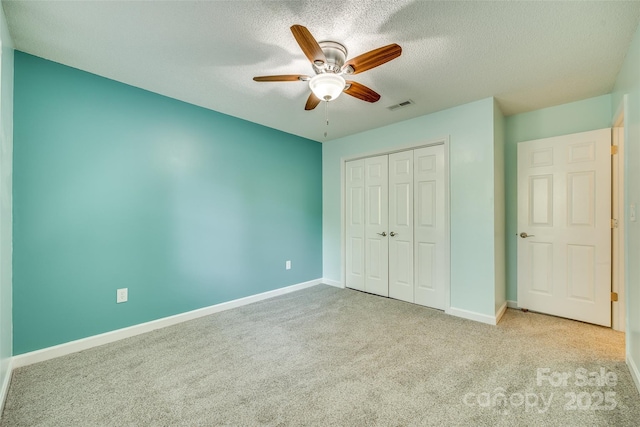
x,y
118,187
628,83
470,129
580,116
6,174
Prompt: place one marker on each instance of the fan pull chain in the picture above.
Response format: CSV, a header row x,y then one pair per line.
x,y
326,115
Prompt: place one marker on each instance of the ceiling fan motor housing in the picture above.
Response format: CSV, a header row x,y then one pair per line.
x,y
336,55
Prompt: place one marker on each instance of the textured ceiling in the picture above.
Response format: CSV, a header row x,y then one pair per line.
x,y
528,55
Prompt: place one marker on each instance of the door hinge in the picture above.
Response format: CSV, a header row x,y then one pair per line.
x,y
614,149
614,296
614,223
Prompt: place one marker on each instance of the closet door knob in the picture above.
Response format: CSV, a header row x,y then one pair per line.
x,y
393,233
383,234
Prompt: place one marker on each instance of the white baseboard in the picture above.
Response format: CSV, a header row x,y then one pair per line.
x,y
512,304
472,315
500,312
4,387
635,374
333,283
108,337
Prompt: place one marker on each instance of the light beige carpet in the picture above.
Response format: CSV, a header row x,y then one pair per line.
x,y
330,357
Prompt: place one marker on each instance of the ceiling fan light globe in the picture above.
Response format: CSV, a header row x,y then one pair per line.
x,y
327,86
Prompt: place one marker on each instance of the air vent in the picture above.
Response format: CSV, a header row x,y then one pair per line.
x,y
401,105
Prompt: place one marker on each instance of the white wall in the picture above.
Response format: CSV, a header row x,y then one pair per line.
x,y
6,172
500,213
470,128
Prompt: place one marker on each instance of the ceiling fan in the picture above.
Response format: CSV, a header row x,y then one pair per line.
x,y
328,59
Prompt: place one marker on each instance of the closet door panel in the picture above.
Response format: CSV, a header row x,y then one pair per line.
x,y
430,227
355,241
401,214
376,190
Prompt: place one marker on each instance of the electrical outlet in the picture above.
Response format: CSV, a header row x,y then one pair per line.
x,y
287,265
122,295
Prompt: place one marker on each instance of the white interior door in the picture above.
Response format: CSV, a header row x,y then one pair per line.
x,y
564,213
376,268
401,226
355,225
430,231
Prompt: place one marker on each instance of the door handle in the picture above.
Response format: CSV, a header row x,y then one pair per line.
x,y
383,234
392,234
525,235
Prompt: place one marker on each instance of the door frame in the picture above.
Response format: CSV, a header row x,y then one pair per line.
x,y
390,150
618,259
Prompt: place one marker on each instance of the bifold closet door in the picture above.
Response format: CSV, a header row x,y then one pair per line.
x,y
376,223
354,238
367,241
431,253
401,210
396,226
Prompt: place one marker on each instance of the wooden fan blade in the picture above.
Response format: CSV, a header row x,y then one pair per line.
x,y
281,78
373,58
309,45
360,91
312,102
